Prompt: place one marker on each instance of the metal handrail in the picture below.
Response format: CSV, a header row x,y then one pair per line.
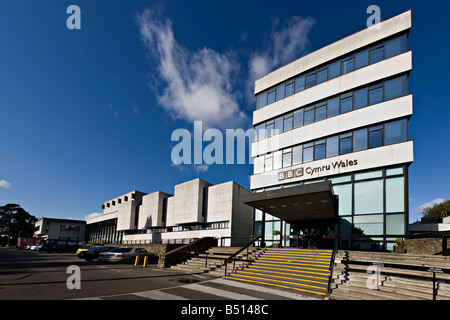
x,y
331,268
233,256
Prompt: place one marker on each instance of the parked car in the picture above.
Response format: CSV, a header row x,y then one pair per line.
x,y
81,249
93,252
127,254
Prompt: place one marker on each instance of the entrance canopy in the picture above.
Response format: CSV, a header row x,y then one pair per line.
x,y
305,202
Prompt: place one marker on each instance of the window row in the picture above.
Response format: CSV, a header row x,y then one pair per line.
x,y
119,201
358,140
349,101
200,226
354,61
64,227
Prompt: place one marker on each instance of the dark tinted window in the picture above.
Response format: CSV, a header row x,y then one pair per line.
x,y
395,46
395,88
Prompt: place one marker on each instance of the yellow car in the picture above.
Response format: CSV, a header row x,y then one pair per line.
x,y
81,249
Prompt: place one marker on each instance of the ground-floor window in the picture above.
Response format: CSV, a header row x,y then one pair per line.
x,y
372,211
104,232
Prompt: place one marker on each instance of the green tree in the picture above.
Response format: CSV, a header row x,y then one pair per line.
x,y
438,210
15,222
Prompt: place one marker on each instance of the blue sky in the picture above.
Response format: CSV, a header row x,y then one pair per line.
x,y
87,115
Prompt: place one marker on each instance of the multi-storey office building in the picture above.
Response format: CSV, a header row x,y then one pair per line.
x,y
332,151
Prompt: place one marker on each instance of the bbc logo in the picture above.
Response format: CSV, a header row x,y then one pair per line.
x,y
289,174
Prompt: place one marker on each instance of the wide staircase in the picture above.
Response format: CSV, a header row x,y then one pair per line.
x,y
360,275
304,270
213,260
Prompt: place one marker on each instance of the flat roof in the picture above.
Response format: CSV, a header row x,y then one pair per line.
x,y
334,50
61,220
304,202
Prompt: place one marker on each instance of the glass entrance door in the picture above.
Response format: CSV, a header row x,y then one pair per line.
x,y
318,234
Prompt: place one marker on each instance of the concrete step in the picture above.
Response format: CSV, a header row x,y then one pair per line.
x,y
282,283
294,269
349,279
305,265
288,278
282,269
214,264
424,291
359,290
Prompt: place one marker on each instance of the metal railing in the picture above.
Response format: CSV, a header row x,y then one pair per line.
x,y
331,267
234,241
432,270
163,241
233,256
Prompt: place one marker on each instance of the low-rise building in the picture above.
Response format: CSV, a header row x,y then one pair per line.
x,y
196,209
431,225
60,229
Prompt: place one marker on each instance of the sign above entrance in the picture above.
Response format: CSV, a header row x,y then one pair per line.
x,y
316,171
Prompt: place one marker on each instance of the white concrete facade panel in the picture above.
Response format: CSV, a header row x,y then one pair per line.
x,y
220,203
151,210
357,161
126,216
188,204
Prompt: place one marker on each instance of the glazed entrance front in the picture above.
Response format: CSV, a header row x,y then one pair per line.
x,y
310,211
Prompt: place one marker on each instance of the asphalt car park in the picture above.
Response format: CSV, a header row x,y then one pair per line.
x,y
29,275
38,275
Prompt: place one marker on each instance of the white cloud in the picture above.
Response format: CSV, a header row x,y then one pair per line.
x,y
198,85
5,184
200,168
92,215
430,204
285,44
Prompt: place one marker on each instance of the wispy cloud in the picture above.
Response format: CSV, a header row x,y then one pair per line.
x,y
197,85
5,184
198,168
114,112
429,204
92,215
287,42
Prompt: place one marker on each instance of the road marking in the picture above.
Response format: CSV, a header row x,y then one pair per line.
x,y
105,267
158,295
195,275
219,292
285,294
